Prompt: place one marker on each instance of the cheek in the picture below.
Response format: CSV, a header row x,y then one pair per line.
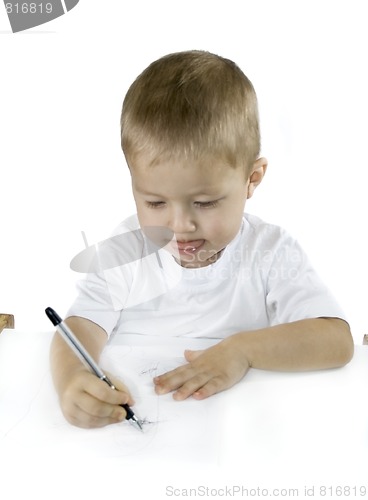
x,y
145,216
226,227
221,230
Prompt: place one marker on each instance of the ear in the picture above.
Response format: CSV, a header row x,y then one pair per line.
x,y
257,173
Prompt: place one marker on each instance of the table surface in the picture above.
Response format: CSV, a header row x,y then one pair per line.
x,y
271,429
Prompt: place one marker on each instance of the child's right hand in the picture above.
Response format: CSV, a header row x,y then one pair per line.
x,y
86,401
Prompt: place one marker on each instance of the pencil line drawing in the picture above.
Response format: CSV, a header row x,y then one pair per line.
x,y
183,428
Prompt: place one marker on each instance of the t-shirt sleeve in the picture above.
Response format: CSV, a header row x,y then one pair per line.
x,y
294,289
102,295
95,302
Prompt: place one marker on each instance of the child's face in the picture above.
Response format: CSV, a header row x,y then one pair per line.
x,y
201,202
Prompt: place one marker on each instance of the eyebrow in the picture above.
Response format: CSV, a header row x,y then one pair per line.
x,y
199,193
143,191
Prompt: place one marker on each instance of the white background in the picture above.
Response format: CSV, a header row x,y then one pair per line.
x,y
62,170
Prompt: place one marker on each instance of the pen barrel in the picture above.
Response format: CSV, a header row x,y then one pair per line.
x,y
79,350
126,407
106,379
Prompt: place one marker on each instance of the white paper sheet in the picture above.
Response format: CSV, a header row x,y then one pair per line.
x,y
173,430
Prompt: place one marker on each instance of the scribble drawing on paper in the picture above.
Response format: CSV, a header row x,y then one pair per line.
x,y
184,429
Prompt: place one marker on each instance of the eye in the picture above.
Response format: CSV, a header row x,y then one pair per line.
x,y
206,204
155,204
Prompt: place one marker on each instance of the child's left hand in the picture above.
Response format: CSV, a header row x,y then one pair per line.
x,y
208,371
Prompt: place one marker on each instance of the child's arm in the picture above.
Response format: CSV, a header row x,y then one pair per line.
x,y
310,344
85,400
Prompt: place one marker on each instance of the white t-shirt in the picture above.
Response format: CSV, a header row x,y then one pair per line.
x,y
262,278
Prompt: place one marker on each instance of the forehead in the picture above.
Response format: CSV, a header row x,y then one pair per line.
x,y
206,175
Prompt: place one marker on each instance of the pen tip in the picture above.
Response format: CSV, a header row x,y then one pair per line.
x,y
137,423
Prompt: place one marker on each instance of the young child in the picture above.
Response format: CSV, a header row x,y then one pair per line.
x,y
190,135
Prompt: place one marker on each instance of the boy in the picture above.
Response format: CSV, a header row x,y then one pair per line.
x,y
191,139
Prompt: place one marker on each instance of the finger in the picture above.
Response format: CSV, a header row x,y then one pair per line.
x,y
96,409
90,402
101,391
219,383
173,379
202,387
192,386
78,417
213,386
192,355
206,384
83,410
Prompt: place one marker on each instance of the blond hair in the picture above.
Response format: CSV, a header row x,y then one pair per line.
x,y
191,105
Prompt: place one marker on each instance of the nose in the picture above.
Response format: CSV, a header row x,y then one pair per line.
x,y
181,221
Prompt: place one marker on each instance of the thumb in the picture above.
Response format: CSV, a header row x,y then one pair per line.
x,y
192,355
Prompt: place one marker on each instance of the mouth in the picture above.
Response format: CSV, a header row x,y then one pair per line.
x,y
188,247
